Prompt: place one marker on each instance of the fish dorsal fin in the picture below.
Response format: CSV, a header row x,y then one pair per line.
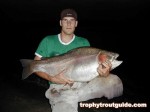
x,y
84,51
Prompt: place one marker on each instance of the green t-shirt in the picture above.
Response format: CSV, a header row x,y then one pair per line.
x,y
52,45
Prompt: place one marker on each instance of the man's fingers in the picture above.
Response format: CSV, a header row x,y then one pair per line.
x,y
68,81
63,78
105,65
103,69
108,63
99,69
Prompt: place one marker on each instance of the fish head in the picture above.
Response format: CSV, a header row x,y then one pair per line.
x,y
105,56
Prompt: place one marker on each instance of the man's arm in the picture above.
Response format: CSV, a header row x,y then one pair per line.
x,y
59,78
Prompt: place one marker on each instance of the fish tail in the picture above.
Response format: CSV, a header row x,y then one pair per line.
x,y
26,63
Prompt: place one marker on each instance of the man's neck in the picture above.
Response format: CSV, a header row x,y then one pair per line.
x,y
66,38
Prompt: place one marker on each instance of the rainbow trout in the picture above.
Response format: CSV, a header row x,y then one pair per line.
x,y
80,64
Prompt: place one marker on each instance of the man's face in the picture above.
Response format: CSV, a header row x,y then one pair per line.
x,y
68,25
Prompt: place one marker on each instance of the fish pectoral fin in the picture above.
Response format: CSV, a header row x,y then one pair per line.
x,y
63,71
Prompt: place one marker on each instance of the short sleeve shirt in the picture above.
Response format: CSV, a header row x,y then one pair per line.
x,y
52,45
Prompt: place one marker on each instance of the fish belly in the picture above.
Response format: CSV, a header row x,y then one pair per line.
x,y
83,69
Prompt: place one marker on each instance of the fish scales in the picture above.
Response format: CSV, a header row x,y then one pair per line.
x,y
80,64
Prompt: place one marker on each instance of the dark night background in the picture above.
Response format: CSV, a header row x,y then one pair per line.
x,y
120,25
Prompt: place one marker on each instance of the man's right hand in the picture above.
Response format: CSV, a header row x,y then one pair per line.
x,y
61,79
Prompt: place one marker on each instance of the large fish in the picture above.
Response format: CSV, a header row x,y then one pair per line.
x,y
80,64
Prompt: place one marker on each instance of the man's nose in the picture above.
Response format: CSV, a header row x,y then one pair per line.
x,y
68,22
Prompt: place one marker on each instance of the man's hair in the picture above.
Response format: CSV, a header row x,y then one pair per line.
x,y
68,13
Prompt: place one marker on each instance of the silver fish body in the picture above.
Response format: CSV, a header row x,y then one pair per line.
x,y
80,64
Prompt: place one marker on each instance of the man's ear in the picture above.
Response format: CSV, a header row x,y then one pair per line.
x,y
60,23
76,24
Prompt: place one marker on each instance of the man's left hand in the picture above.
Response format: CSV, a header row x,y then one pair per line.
x,y
104,68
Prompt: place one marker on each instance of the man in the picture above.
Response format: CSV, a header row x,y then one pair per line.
x,y
53,45
61,43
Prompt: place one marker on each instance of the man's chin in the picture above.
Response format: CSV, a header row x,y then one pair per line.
x,y
69,33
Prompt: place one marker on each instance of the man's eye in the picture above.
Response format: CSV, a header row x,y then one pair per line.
x,y
72,20
64,19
